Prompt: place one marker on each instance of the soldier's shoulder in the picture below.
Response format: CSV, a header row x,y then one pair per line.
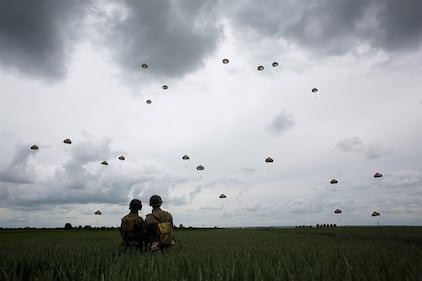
x,y
166,212
125,217
131,217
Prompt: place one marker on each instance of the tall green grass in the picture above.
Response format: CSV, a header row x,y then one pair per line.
x,y
378,253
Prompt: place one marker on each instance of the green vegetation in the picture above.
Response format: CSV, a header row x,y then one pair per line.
x,y
350,253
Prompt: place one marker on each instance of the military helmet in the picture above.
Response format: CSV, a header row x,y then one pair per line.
x,y
135,205
155,201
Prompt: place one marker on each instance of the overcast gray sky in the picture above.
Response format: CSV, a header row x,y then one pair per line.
x,y
73,70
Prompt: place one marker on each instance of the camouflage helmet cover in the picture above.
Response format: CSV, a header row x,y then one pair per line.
x,y
155,201
135,205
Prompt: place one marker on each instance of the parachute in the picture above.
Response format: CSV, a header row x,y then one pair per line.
x,y
121,157
274,64
104,163
149,101
34,147
144,65
260,68
97,212
226,61
185,157
269,160
68,141
165,87
337,211
200,168
222,195
314,90
378,175
375,214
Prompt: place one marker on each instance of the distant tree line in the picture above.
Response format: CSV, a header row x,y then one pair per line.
x,y
324,225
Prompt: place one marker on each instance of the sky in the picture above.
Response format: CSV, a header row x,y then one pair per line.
x,y
73,70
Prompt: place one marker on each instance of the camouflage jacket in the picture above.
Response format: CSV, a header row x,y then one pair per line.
x,y
151,221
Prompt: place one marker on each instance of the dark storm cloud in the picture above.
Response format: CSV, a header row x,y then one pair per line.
x,y
172,37
281,123
36,37
335,26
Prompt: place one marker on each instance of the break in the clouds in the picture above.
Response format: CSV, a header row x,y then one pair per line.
x,y
281,123
335,27
172,37
37,37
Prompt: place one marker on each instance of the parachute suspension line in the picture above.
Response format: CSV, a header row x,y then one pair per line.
x,y
226,62
269,160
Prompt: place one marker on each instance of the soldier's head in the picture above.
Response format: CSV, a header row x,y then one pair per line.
x,y
135,205
155,201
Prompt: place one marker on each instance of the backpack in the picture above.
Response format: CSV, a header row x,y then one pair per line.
x,y
166,233
130,228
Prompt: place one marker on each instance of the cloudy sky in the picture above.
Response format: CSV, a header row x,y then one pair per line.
x,y
73,70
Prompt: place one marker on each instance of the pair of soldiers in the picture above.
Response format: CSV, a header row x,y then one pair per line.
x,y
155,233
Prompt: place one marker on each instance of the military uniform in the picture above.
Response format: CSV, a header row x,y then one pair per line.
x,y
132,231
152,220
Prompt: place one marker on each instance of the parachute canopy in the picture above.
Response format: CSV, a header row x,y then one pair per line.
x,y
274,64
98,212
269,160
165,87
314,90
337,211
104,163
200,168
333,181
223,195
375,214
68,141
149,101
225,61
377,175
185,157
34,147
260,68
121,157
144,65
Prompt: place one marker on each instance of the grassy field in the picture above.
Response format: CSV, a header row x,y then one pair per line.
x,y
350,253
